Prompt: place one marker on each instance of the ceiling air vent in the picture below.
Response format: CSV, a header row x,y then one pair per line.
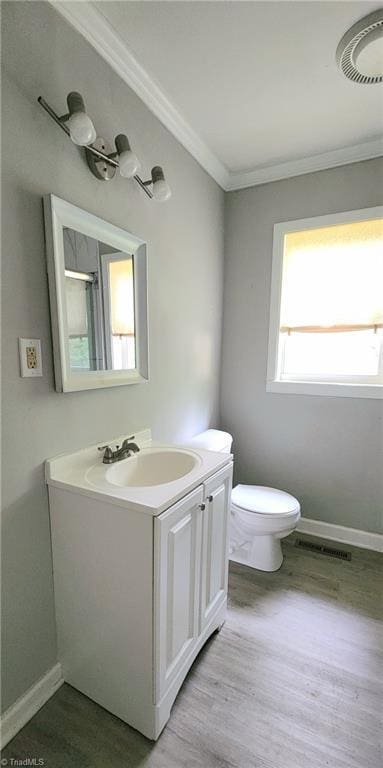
x,y
360,51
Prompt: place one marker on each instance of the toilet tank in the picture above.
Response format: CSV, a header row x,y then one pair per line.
x,y
212,440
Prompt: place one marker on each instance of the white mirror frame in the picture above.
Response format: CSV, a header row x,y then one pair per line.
x,y
59,214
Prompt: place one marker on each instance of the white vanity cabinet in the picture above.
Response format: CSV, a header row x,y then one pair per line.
x,y
214,570
190,574
137,595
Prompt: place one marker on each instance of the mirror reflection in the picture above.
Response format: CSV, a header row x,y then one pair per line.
x,y
99,295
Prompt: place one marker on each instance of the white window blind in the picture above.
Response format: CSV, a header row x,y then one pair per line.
x,y
333,279
326,307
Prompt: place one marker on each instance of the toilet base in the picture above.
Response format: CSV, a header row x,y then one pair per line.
x,y
264,553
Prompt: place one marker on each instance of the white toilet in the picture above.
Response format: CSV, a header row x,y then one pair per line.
x,y
260,516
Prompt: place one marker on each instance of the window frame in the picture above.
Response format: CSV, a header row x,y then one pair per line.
x,y
338,386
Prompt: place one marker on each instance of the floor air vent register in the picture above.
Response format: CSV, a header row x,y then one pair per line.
x,y
322,549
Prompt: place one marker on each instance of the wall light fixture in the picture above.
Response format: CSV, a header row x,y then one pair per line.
x,y
102,160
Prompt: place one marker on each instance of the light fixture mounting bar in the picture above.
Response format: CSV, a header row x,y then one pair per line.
x,y
89,148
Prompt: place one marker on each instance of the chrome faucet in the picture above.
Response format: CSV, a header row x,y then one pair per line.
x,y
123,452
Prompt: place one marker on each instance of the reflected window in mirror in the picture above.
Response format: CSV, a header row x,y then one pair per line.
x,y
121,293
99,292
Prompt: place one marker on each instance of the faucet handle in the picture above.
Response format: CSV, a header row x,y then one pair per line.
x,y
107,449
126,441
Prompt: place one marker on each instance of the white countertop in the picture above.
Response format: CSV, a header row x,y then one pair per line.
x,y
83,472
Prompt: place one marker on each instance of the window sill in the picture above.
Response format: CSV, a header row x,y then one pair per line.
x,y
328,389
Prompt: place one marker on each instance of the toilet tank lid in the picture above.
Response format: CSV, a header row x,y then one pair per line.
x,y
213,440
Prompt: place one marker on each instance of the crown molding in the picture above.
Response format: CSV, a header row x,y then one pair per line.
x,y
95,28
344,156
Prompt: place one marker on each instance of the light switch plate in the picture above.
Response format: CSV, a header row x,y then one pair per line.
x,y
30,357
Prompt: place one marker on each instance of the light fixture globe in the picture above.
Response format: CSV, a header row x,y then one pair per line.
x,y
80,126
161,189
360,51
81,129
128,162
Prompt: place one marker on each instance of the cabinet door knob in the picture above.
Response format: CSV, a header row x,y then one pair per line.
x,y
210,498
202,506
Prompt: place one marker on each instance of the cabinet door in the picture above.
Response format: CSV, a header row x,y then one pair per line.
x,y
215,519
177,545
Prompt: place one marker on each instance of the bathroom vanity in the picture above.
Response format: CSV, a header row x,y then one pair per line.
x,y
140,558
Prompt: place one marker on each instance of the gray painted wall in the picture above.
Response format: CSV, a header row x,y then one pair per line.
x,y
327,451
43,55
324,450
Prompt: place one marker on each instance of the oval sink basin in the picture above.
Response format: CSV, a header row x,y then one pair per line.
x,y
151,468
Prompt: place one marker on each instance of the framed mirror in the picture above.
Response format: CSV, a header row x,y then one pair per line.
x,y
98,296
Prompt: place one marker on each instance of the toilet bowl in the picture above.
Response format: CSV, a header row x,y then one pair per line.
x,y
260,516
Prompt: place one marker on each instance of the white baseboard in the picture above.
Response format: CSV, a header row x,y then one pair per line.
x,y
340,533
27,705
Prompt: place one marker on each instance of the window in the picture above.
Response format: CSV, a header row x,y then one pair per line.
x,y
121,282
119,305
326,315
100,314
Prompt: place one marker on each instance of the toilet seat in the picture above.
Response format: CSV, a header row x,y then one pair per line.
x,y
265,501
